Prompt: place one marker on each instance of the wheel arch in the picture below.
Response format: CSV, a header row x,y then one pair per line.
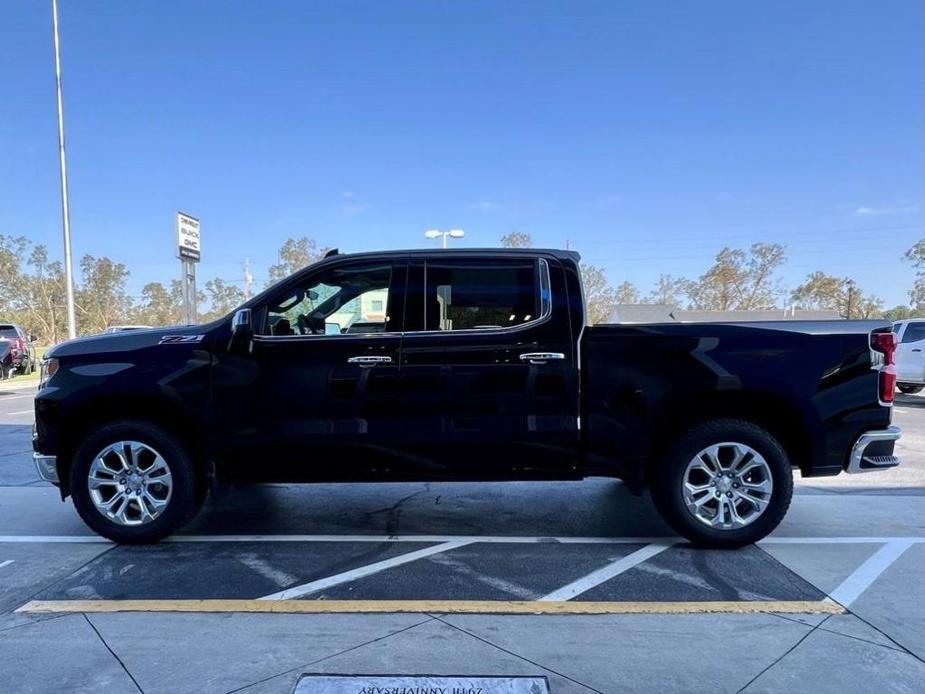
x,y
100,411
780,416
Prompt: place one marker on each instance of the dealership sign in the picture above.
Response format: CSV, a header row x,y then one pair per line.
x,y
188,239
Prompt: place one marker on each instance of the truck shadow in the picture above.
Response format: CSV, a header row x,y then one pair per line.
x,y
591,508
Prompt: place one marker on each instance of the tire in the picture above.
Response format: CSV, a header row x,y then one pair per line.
x,y
909,389
739,436
182,501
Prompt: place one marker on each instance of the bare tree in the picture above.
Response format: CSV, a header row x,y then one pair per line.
x,y
669,291
626,293
517,239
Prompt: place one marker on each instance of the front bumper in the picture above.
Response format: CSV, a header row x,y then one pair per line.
x,y
47,466
874,451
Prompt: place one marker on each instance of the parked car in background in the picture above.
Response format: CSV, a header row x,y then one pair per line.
x,y
22,351
6,359
910,355
467,368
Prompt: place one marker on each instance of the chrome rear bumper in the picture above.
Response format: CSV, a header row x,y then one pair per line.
x,y
862,460
47,466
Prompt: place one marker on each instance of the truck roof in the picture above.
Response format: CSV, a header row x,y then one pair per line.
x,y
573,256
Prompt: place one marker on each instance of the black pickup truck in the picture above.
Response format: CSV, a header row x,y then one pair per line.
x,y
460,365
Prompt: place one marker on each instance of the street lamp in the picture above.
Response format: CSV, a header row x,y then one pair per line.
x,y
436,234
65,211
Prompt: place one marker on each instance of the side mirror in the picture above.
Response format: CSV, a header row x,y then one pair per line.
x,y
242,327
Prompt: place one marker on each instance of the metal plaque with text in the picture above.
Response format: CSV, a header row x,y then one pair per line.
x,y
419,684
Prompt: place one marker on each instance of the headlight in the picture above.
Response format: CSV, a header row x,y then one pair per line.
x,y
48,369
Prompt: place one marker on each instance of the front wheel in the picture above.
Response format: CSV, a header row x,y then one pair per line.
x,y
133,482
727,483
909,389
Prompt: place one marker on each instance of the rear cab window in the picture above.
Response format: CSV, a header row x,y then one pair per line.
x,y
456,294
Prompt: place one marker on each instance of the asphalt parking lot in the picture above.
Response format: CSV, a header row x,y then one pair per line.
x,y
580,583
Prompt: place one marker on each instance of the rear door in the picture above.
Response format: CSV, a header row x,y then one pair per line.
x,y
910,353
489,376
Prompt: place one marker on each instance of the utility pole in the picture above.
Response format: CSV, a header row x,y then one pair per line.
x,y
65,209
248,279
850,296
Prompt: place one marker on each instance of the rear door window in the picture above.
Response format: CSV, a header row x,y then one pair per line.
x,y
481,295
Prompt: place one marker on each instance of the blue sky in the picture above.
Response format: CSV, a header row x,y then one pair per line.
x,y
647,134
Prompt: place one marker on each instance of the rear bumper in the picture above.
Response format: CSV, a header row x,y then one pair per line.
x,y
874,451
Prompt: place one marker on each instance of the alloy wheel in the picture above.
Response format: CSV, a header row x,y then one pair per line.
x,y
130,483
727,485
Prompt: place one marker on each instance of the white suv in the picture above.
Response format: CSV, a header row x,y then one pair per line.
x,y
910,354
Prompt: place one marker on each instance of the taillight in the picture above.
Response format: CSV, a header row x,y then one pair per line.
x,y
885,343
884,346
20,345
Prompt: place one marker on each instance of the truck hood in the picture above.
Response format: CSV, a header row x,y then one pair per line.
x,y
130,340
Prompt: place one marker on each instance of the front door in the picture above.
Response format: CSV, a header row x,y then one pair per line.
x,y
489,375
320,386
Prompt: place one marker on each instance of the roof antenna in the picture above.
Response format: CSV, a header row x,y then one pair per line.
x,y
330,252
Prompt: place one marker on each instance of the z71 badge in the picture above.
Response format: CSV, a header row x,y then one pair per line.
x,y
178,339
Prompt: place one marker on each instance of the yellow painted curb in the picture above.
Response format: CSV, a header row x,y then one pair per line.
x,y
436,606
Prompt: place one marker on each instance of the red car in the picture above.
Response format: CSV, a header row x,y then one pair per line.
x,y
19,351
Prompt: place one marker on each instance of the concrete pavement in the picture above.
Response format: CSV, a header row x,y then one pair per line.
x,y
859,540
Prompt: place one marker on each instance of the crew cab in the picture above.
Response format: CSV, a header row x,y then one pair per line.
x,y
460,365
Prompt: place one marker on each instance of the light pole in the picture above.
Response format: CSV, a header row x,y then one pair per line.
x,y
436,234
65,210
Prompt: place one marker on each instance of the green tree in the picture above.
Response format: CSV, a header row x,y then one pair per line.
x,y
101,300
45,312
223,298
740,280
901,312
600,297
517,239
294,255
916,256
827,292
160,305
12,252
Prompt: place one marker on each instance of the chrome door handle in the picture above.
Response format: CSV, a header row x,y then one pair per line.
x,y
369,360
541,357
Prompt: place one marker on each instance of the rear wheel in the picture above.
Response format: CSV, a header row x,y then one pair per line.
x,y
726,483
133,482
909,389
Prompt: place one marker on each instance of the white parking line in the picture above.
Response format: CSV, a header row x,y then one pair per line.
x,y
360,572
595,578
20,412
486,539
6,563
868,572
